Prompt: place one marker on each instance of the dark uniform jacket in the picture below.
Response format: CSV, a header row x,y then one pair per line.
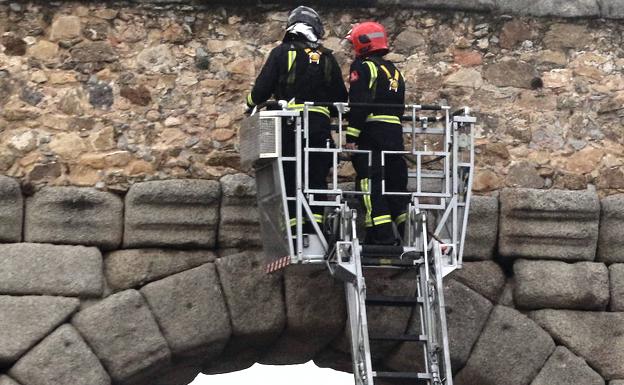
x,y
374,80
294,70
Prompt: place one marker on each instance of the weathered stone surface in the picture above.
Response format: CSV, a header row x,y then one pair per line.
x,y
514,32
228,363
26,320
596,337
465,77
255,301
511,73
560,285
124,335
524,174
72,215
11,210
554,224
616,382
616,286
506,297
239,226
613,9
467,5
172,213
179,375
409,40
564,368
6,380
466,315
482,228
126,269
139,95
486,278
520,346
566,35
157,59
28,268
191,311
100,94
62,358
561,8
13,46
611,235
93,51
334,359
65,28
312,321
486,180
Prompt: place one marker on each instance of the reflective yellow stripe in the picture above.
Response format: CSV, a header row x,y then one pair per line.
x,y
382,220
352,131
292,222
250,100
383,67
292,55
318,218
383,118
367,202
299,107
401,218
373,73
396,73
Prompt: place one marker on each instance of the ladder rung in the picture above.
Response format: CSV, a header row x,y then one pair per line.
x,y
383,300
382,251
401,337
396,262
402,375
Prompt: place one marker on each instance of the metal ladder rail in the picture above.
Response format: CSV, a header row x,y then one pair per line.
x,y
431,320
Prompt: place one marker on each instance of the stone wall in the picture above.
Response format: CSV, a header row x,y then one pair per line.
x,y
166,281
107,94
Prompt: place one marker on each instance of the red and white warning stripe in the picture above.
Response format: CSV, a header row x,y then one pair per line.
x,y
278,264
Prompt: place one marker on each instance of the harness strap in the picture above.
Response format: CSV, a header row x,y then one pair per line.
x,y
292,65
373,74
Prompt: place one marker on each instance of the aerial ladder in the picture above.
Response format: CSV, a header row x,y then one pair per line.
x,y
439,148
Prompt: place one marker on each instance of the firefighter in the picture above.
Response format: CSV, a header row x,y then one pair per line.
x,y
375,80
301,70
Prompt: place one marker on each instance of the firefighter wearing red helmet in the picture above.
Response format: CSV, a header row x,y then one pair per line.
x,y
301,70
375,80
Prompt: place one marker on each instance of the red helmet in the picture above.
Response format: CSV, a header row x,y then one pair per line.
x,y
368,37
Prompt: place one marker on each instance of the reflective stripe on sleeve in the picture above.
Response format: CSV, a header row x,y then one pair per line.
x,y
367,202
383,118
352,131
382,220
401,218
320,110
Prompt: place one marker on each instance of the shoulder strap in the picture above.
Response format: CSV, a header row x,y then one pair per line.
x,y
292,66
372,67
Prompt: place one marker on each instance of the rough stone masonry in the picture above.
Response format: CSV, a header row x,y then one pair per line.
x,y
129,252
77,310
109,94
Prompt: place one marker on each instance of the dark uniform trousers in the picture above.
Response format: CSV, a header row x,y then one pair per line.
x,y
319,164
382,210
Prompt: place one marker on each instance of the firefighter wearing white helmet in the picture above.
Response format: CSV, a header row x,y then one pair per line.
x,y
301,70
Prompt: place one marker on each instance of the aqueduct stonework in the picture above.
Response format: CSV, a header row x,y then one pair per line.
x,y
129,237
